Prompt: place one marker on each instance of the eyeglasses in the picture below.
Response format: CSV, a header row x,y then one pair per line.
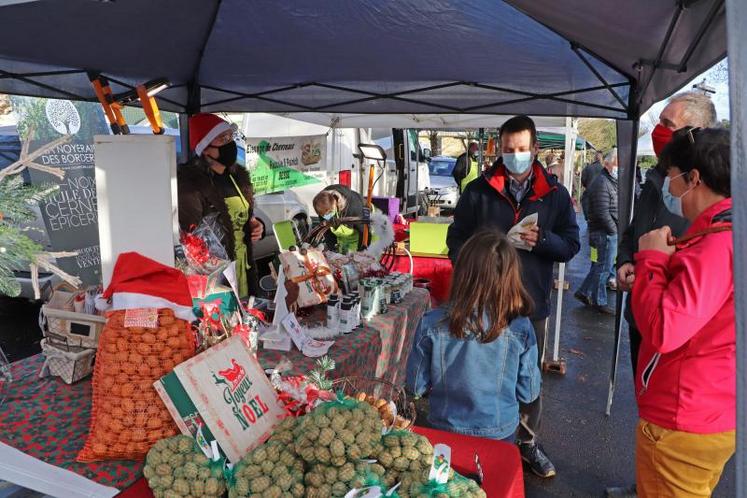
x,y
222,139
692,133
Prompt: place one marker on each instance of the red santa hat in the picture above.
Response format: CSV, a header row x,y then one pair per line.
x,y
140,282
203,129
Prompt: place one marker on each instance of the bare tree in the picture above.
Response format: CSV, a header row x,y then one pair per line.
x,y
435,142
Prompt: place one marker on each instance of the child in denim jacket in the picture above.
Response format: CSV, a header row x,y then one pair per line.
x,y
476,357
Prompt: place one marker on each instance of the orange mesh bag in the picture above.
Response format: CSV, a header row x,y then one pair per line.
x,y
128,416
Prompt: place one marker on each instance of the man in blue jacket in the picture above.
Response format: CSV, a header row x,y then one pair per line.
x,y
514,187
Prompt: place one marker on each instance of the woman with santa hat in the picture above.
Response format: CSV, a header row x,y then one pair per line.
x,y
213,184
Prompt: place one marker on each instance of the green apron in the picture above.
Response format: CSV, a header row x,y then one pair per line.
x,y
238,210
472,174
347,239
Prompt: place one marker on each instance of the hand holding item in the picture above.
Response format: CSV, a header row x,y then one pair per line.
x,y
626,277
525,234
531,235
257,229
658,240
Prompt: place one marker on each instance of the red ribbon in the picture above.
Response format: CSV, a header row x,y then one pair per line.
x,y
196,248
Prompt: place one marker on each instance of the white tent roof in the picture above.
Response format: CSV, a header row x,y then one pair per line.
x,y
421,121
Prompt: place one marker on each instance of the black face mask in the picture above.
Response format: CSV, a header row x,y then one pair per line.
x,y
227,154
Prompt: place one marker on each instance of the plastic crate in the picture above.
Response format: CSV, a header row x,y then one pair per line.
x,y
70,363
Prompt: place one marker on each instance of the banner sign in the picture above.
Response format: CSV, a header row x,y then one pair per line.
x,y
70,213
277,164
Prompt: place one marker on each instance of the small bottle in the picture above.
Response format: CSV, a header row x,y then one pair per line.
x,y
333,312
346,317
357,311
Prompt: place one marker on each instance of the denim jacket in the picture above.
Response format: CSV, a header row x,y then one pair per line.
x,y
474,388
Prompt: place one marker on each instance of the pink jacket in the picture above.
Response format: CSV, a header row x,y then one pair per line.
x,y
684,307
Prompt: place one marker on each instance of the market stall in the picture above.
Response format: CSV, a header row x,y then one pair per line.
x,y
45,424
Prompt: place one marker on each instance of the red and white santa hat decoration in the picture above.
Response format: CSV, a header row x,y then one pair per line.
x,y
140,282
203,129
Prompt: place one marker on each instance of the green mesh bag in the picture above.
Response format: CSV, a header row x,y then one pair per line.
x,y
417,485
325,481
270,471
176,467
338,432
404,451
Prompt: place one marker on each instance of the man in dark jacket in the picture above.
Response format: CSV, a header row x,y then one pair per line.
x,y
514,187
466,168
592,170
684,109
602,226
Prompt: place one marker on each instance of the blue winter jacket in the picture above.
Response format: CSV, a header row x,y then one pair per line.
x,y
474,388
487,202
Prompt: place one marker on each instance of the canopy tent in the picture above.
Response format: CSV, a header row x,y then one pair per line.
x,y
542,57
417,121
554,138
476,57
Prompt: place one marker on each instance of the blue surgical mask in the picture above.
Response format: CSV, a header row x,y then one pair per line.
x,y
672,203
328,216
517,162
614,173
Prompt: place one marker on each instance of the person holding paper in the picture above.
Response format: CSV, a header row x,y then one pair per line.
x,y
515,187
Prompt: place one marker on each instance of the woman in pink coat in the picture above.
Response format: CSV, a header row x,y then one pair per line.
x,y
683,302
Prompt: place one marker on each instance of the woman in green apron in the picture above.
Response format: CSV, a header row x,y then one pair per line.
x,y
333,203
212,183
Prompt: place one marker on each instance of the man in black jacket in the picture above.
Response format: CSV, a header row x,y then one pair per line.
x,y
684,109
466,168
602,225
514,187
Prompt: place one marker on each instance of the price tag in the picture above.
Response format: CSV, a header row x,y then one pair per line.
x,y
146,318
441,466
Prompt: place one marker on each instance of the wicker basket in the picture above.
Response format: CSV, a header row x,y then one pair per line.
x,y
70,363
379,389
80,329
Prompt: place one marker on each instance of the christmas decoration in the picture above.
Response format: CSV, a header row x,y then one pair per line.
x,y
17,250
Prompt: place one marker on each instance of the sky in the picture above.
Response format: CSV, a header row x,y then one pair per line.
x,y
720,98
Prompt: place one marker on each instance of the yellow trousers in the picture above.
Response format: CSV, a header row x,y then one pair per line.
x,y
676,464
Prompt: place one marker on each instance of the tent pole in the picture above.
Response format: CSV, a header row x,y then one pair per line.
x,y
736,10
627,141
570,149
184,154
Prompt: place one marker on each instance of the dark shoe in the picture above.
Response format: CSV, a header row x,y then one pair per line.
x,y
605,309
580,297
535,457
625,492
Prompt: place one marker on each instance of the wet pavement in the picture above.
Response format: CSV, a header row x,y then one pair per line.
x,y
590,451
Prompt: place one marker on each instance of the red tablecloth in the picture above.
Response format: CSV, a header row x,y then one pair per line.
x,y
437,270
500,462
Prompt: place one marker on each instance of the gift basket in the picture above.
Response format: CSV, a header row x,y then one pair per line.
x,y
70,363
391,401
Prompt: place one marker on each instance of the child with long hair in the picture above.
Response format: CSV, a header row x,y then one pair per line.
x,y
476,357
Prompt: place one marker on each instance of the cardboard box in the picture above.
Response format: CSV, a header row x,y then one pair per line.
x,y
224,391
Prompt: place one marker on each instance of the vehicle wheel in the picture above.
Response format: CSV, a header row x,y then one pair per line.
x,y
301,223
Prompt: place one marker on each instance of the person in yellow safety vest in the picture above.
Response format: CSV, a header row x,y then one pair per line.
x,y
467,168
333,203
